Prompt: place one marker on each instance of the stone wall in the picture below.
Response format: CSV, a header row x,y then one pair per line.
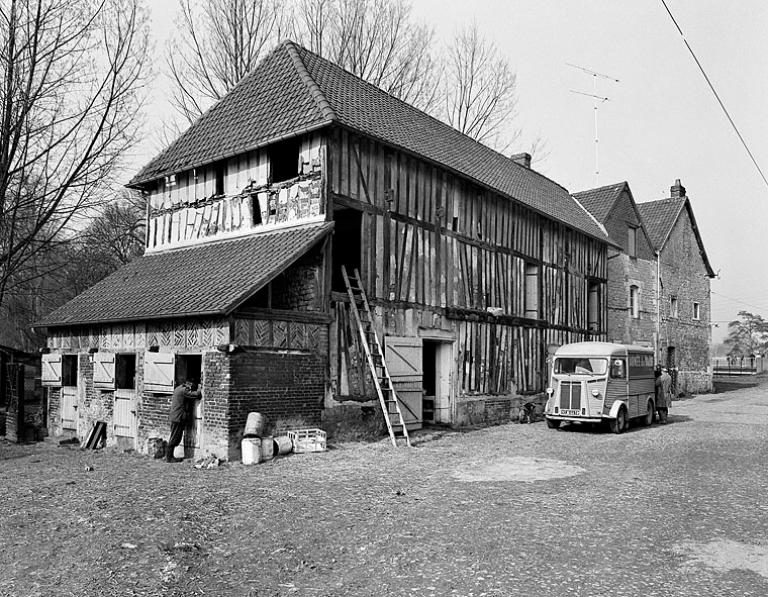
x,y
624,272
684,276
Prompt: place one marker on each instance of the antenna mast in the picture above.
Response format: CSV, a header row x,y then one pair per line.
x,y
597,100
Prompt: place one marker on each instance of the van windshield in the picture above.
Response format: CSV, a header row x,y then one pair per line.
x,y
581,366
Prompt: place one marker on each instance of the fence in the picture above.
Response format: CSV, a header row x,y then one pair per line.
x,y
751,365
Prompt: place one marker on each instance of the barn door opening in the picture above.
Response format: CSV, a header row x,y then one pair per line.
x,y
436,365
346,244
190,367
125,409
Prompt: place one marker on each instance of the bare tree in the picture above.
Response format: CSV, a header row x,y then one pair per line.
x,y
480,90
71,79
377,40
217,44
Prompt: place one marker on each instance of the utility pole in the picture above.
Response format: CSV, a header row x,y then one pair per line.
x,y
597,100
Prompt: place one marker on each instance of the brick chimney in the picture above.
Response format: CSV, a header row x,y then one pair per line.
x,y
677,190
524,159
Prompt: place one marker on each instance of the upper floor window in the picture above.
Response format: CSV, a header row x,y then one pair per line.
x,y
593,306
284,159
673,306
632,241
531,291
634,302
696,311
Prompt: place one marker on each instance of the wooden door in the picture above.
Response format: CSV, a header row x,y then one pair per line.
x,y
124,414
69,408
404,361
194,429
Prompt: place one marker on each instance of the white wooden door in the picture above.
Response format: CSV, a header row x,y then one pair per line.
x,y
124,414
443,385
69,408
403,355
159,372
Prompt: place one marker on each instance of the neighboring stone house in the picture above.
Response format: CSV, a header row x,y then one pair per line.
x,y
684,291
475,266
632,317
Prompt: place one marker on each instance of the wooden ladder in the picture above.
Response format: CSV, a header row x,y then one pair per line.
x,y
390,404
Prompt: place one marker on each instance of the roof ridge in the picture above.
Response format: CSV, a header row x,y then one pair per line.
x,y
314,89
295,46
607,186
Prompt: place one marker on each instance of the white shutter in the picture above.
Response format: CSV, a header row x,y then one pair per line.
x,y
158,372
104,370
51,370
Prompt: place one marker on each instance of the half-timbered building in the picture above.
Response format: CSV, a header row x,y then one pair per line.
x,y
474,267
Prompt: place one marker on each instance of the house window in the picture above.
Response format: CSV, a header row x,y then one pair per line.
x,y
673,306
284,159
531,291
632,241
696,311
69,370
634,302
593,306
219,179
125,372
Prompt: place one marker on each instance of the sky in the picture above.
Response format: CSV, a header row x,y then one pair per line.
x,y
660,123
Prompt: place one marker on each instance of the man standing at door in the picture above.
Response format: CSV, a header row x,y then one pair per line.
x,y
182,396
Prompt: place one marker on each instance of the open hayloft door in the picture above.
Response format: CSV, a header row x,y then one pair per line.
x,y
404,361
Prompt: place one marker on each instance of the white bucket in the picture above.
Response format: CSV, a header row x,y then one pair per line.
x,y
254,424
251,449
267,448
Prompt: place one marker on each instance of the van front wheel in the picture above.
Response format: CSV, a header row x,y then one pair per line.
x,y
553,423
618,424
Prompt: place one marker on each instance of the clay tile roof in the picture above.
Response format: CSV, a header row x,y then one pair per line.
x,y
659,217
600,201
203,280
294,90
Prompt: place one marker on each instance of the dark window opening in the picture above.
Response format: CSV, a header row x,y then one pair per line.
x,y
256,210
125,371
188,367
455,223
284,159
69,370
219,189
346,245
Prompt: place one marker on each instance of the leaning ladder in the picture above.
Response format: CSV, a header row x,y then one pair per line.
x,y
390,404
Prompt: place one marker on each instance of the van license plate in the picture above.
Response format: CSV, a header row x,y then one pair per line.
x,y
567,411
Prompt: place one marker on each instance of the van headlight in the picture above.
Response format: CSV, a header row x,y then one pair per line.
x,y
595,393
550,391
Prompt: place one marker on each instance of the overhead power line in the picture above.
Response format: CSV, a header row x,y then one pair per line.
x,y
739,301
719,101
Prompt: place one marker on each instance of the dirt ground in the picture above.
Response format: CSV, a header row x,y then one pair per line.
x,y
508,510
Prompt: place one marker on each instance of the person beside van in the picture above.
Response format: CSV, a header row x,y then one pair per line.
x,y
663,393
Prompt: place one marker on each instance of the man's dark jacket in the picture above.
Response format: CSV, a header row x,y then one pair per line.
x,y
178,403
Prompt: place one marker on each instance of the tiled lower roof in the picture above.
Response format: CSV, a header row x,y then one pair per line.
x,y
204,280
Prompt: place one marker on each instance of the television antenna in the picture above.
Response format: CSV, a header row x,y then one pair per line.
x,y
597,100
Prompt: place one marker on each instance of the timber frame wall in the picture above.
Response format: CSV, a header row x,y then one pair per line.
x,y
441,252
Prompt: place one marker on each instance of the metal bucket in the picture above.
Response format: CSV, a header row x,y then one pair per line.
x,y
267,448
283,445
251,449
254,425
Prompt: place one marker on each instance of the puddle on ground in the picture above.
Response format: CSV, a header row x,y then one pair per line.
x,y
517,468
724,555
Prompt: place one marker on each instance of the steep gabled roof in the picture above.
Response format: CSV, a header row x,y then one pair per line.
x,y
293,91
601,200
660,217
204,280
